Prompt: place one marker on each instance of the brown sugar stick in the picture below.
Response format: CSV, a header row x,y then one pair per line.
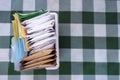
x,y
39,59
38,54
50,64
39,67
38,63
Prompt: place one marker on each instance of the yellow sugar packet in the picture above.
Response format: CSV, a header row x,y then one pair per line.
x,y
15,29
19,30
22,33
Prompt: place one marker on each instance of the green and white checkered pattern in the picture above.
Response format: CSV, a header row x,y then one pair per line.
x,y
89,38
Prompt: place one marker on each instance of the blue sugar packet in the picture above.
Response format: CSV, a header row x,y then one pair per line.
x,y
18,52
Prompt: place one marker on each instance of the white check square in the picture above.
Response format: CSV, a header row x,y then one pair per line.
x,y
100,30
118,30
118,6
119,55
99,5
4,55
76,30
5,29
76,5
3,77
101,77
76,55
29,5
52,77
100,55
51,6
5,5
76,77
27,77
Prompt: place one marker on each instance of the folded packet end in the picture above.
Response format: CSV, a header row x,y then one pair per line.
x,y
39,66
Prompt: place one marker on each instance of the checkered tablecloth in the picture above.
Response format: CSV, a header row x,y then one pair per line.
x,y
89,38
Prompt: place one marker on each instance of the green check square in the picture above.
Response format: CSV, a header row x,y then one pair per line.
x,y
64,41
4,68
64,17
5,16
88,68
11,70
65,68
113,68
88,17
111,18
4,41
39,71
88,42
112,43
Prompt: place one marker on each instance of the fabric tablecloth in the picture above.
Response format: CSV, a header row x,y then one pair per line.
x,y
89,38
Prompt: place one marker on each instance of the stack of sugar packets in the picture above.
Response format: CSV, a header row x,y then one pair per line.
x,y
35,41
